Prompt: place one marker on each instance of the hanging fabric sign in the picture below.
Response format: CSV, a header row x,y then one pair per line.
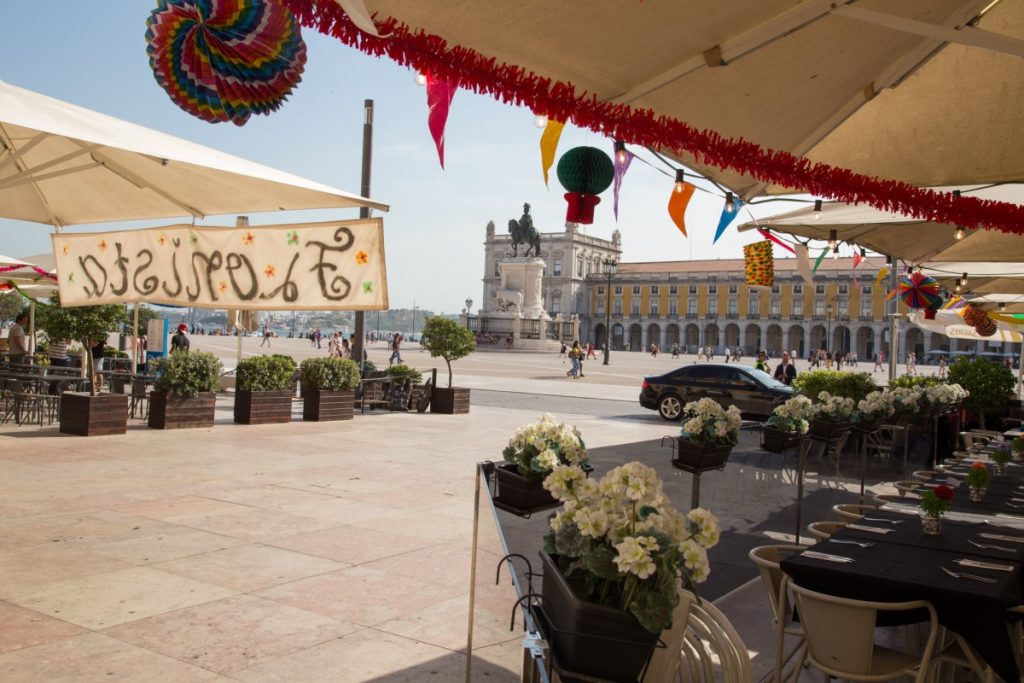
x,y
337,265
758,264
803,264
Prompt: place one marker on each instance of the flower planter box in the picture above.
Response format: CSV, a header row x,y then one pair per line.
x,y
697,457
98,415
590,639
262,407
525,494
180,412
321,406
453,401
826,429
777,441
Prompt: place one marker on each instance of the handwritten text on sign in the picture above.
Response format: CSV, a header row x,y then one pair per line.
x,y
336,265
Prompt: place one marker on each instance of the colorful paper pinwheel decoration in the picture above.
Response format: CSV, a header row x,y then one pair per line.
x,y
920,291
224,60
585,172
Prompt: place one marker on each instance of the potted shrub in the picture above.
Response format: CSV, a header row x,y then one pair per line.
x,y
80,413
185,392
400,372
989,385
263,389
872,409
1001,457
448,339
614,561
532,452
787,424
832,415
935,503
852,385
328,388
977,480
708,435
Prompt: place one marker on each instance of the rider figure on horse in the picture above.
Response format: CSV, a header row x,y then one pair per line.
x,y
523,231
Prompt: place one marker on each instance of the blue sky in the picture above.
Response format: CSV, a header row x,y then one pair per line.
x,y
94,54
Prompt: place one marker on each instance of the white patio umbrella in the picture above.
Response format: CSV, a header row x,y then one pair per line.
x,y
62,164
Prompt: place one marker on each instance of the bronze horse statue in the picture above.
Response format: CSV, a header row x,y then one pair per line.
x,y
523,232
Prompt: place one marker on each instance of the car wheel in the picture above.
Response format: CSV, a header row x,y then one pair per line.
x,y
670,407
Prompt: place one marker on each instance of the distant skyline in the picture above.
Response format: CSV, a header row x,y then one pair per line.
x,y
435,231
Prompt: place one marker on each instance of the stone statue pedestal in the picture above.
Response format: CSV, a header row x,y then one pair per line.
x,y
525,275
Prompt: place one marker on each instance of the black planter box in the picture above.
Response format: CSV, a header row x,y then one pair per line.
x,y
452,401
86,415
321,406
180,412
826,429
776,441
525,494
262,407
590,639
694,457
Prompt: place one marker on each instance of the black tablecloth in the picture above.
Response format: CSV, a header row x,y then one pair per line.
x,y
906,565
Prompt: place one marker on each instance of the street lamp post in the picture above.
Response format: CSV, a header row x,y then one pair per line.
x,y
610,266
828,321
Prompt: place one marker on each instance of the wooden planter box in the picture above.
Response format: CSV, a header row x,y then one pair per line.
x,y
177,412
454,401
321,406
777,441
263,407
87,415
699,457
525,494
827,429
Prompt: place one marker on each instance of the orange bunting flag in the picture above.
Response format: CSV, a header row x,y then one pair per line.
x,y
891,294
677,203
549,145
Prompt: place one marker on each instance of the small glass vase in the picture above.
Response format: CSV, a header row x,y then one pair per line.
x,y
1000,470
977,494
931,525
1017,456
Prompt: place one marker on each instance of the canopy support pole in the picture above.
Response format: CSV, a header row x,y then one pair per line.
x,y
135,338
892,308
1020,371
238,350
358,353
32,330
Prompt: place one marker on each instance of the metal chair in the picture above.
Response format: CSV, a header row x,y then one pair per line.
x,y
925,475
139,399
823,530
851,512
767,558
840,635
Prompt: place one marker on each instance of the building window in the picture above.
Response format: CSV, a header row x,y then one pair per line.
x,y
618,290
497,269
636,290
673,290
819,289
775,289
753,305
693,290
865,289
798,307
673,307
713,307
617,307
579,268
732,289
654,289
635,308
556,305
557,270
819,307
654,308
732,307
843,308
712,289
600,306
844,289
600,290
691,307
865,308
776,307
798,289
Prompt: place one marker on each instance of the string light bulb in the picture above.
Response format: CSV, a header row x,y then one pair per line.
x,y
680,180
957,288
963,280
421,78
620,151
730,202
817,210
863,252
960,232
832,240
1002,306
541,121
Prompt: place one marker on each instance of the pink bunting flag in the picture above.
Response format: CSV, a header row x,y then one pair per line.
x,y
439,101
768,236
857,258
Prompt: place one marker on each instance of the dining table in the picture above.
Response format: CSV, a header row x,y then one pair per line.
x,y
971,573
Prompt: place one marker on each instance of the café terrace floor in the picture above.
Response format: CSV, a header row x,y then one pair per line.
x,y
324,551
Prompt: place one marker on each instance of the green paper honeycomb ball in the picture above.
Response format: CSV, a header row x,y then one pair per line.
x,y
587,170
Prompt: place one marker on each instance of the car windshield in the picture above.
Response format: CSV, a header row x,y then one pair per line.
x,y
766,379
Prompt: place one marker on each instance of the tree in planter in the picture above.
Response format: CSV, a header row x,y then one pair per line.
x,y
189,373
447,339
86,324
990,385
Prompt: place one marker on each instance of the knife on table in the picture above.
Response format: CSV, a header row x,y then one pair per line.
x,y
963,562
872,529
825,556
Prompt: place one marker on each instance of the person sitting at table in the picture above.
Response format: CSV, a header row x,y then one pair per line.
x,y
58,352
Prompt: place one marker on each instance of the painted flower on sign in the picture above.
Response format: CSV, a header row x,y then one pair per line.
x,y
248,238
293,238
362,258
368,287
270,271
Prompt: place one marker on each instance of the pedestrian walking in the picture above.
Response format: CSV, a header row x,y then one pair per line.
x,y
266,336
562,349
396,349
179,342
590,351
785,371
574,358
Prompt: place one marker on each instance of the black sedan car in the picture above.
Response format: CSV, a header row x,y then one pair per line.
x,y
754,392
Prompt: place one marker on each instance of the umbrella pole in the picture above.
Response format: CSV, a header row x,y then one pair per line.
x,y
135,338
893,322
32,330
238,349
1020,370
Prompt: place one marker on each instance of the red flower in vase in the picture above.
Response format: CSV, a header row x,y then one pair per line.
x,y
943,492
978,466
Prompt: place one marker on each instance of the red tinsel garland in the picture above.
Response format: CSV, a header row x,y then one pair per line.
x,y
511,84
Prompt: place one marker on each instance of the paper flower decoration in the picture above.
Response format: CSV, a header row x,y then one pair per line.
x,y
920,291
585,172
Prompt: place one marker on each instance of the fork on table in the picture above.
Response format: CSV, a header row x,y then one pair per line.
x,y
862,544
965,575
989,546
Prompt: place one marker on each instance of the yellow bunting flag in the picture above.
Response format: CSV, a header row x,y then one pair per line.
x,y
677,203
549,144
881,276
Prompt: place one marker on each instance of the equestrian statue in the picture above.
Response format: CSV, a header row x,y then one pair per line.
x,y
524,232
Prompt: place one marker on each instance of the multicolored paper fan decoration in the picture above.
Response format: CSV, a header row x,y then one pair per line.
x,y
920,291
758,264
224,60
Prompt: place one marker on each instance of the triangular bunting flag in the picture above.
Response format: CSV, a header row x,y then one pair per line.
x,y
439,100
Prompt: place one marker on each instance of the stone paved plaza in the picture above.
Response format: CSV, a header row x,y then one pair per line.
x,y
323,551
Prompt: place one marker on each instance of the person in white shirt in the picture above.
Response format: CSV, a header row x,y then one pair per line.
x,y
17,342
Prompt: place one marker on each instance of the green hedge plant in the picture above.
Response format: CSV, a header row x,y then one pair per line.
x,y
329,374
852,385
265,373
990,385
186,374
911,381
400,372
